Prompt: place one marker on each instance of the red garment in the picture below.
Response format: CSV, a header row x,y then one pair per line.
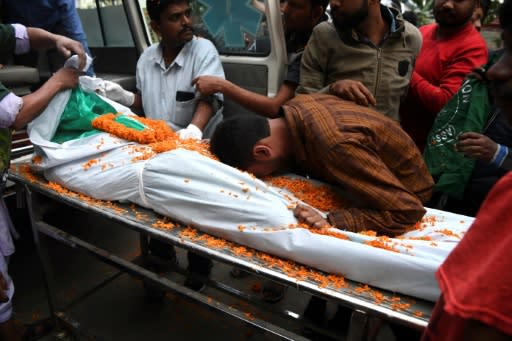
x,y
440,69
476,278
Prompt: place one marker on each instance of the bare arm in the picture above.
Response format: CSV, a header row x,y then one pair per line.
x,y
42,40
204,111
36,102
266,106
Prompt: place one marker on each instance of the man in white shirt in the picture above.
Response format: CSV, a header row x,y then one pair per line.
x,y
165,72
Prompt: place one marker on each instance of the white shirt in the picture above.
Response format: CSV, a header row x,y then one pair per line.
x,y
159,84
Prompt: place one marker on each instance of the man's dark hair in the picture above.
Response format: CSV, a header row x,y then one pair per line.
x,y
157,7
234,138
505,15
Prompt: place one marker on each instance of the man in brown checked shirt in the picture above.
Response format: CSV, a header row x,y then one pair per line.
x,y
356,148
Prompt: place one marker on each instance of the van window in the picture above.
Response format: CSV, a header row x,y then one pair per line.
x,y
105,23
234,26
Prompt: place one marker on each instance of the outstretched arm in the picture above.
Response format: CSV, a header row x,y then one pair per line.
x,y
42,40
266,106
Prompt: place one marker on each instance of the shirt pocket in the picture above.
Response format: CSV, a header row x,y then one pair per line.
x,y
184,112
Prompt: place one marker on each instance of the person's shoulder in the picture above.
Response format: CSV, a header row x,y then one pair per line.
x,y
324,28
148,53
202,43
412,31
427,28
475,37
413,35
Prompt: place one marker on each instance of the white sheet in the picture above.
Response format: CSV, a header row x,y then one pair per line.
x,y
217,199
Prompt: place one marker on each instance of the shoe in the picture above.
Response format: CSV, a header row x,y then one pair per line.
x,y
272,292
199,265
161,256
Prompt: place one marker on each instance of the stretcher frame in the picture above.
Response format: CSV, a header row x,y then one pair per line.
x,y
35,193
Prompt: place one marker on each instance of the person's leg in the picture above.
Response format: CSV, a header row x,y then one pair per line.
x,y
199,265
162,256
8,330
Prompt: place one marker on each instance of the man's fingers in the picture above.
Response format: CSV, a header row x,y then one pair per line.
x,y
367,94
359,96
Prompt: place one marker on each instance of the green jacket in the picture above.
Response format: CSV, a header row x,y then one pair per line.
x,y
385,70
7,45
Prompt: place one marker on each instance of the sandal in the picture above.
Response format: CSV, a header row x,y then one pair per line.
x,y
272,292
38,329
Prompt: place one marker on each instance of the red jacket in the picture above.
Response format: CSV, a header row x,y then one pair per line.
x,y
440,69
476,278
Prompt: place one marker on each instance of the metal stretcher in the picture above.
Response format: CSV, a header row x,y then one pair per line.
x,y
38,197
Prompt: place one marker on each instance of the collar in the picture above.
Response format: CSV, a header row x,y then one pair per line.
x,y
291,117
158,56
388,17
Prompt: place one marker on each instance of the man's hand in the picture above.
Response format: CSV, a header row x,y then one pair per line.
x,y
115,92
66,77
68,47
208,85
476,146
306,214
351,90
4,287
190,132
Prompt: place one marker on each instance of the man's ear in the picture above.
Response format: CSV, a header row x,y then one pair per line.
x,y
155,27
261,152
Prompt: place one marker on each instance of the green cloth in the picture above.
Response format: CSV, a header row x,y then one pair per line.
x,y
82,108
467,110
76,120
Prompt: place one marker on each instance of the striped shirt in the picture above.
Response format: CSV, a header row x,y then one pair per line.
x,y
365,153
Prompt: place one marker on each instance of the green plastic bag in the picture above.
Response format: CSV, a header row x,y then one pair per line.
x,y
82,108
466,111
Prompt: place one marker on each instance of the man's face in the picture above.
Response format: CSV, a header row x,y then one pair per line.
x,y
298,16
453,13
175,25
347,14
500,76
261,169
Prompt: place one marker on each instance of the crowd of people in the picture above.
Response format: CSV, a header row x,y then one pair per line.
x,y
360,95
